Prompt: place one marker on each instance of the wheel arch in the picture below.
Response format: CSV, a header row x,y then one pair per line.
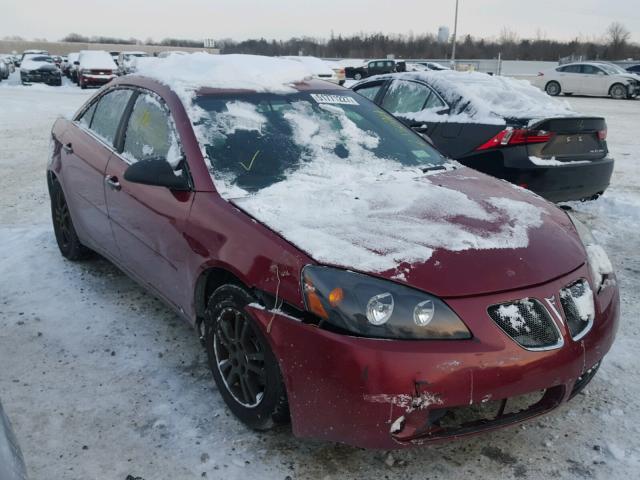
x,y
546,85
210,278
615,84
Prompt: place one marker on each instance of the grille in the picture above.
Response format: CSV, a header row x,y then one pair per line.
x,y
577,302
528,323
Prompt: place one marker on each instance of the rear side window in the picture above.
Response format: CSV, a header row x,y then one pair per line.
x,y
370,91
108,114
405,97
570,69
434,102
150,134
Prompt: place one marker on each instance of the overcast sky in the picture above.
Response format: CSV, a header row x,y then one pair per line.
x,y
281,19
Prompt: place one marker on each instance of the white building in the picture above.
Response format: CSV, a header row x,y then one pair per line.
x,y
443,34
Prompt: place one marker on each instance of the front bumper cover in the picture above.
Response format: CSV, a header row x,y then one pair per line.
x,y
386,394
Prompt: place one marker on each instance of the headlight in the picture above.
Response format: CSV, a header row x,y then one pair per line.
x,y
371,307
599,262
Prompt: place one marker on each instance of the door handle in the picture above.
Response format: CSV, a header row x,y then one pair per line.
x,y
68,147
113,182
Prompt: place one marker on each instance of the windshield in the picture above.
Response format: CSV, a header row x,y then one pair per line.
x,y
39,59
255,140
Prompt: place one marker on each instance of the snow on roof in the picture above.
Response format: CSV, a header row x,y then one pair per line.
x,y
316,65
491,98
185,74
96,59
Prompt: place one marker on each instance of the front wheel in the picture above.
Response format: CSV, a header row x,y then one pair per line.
x,y
553,89
618,92
66,236
357,76
244,368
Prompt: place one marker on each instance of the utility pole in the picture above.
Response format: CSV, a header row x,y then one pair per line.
x,y
455,38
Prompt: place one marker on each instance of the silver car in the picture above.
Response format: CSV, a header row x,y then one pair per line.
x,y
11,461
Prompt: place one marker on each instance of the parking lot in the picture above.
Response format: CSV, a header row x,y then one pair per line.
x,y
102,381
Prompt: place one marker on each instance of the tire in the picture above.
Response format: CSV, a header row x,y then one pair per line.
x,y
244,368
553,88
357,76
618,91
68,242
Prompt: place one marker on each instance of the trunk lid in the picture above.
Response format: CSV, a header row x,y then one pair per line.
x,y
573,139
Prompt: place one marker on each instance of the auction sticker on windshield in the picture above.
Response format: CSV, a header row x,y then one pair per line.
x,y
335,99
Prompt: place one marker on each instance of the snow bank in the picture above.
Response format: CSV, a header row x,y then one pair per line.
x,y
185,74
491,98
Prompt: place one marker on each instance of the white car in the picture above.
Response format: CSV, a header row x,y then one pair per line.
x,y
321,69
127,61
589,78
95,67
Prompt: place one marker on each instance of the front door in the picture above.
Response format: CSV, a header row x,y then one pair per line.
x,y
148,221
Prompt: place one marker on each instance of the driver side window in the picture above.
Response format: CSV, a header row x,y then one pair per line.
x,y
150,134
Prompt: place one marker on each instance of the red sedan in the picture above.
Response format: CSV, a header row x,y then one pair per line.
x,y
342,274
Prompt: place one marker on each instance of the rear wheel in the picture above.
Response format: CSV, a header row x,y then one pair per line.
x,y
618,91
244,367
66,236
553,89
357,76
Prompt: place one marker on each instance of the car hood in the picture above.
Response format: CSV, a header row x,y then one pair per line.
x,y
30,66
449,233
628,76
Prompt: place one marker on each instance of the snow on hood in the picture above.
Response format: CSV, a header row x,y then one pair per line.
x,y
28,65
185,74
372,216
492,99
96,60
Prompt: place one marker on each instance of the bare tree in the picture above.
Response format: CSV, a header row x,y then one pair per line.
x,y
617,36
508,36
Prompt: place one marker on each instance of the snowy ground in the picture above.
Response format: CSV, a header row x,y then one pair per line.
x,y
102,381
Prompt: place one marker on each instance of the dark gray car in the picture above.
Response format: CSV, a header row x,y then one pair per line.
x,y
11,461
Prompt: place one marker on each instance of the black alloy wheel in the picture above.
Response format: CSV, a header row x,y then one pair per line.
x,y
245,369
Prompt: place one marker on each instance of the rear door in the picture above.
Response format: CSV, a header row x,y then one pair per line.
x,y
571,79
148,221
85,155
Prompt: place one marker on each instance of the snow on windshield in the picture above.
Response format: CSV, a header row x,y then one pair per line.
x,y
487,99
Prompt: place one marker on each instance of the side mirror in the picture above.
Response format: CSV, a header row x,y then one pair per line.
x,y
602,74
156,172
76,62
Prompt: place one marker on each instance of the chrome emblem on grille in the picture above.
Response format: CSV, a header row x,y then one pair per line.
x,y
551,301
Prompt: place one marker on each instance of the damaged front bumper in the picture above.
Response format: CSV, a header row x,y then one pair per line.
x,y
388,394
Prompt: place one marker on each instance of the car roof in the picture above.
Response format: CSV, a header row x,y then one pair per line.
x,y
154,85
